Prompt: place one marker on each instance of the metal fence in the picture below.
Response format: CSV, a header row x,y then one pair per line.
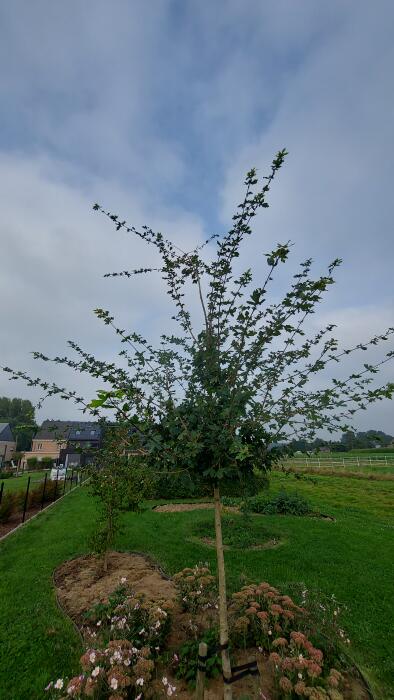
x,y
52,489
351,462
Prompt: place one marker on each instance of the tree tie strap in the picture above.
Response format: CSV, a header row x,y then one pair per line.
x,y
201,664
249,669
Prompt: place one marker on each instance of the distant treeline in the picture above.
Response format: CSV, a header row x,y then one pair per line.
x,y
370,439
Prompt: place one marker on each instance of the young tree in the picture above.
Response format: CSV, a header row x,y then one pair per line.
x,y
118,481
234,382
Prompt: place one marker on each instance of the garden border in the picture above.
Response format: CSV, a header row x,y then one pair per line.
x,y
7,534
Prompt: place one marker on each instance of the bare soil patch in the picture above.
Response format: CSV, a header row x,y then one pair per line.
x,y
182,507
81,583
210,542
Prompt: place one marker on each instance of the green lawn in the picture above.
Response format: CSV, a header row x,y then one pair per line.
x,y
18,483
351,557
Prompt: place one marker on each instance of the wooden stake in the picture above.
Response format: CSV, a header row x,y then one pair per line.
x,y
202,658
223,622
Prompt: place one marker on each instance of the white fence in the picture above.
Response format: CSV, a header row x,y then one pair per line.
x,y
351,462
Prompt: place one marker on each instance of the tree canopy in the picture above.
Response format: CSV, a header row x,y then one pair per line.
x,y
20,414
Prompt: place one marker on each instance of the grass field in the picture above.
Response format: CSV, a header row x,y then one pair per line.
x,y
351,557
364,463
18,483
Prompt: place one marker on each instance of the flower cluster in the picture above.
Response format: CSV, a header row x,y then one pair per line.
x,y
258,614
197,588
141,621
298,667
324,618
118,671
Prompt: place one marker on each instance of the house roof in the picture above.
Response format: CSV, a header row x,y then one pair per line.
x,y
68,430
85,432
6,433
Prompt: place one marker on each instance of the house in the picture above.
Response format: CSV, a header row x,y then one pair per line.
x,y
82,440
7,443
66,442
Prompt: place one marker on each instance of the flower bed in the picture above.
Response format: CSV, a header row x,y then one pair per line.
x,y
141,632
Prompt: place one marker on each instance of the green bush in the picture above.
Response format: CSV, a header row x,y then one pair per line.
x,y
283,504
5,475
32,462
185,663
35,496
53,490
46,462
7,507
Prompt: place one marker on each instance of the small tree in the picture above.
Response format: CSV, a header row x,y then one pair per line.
x,y
119,482
230,385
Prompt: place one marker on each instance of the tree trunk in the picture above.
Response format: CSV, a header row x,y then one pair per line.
x,y
223,623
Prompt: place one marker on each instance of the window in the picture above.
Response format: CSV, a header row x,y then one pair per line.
x,y
93,432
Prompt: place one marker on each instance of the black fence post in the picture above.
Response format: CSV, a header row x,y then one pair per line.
x,y
71,480
26,497
43,490
1,491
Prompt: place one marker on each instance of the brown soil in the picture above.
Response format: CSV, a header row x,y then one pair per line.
x,y
181,507
16,520
210,542
81,583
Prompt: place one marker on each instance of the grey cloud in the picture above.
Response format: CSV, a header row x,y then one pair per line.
x,y
146,107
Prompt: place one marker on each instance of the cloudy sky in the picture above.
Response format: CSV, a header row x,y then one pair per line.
x,y
156,110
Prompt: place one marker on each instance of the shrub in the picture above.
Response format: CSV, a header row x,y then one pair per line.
x,y
126,615
298,667
32,462
5,475
257,614
323,622
283,504
185,662
7,507
46,462
53,490
197,588
117,671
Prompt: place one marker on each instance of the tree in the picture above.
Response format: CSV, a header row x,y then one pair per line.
x,y
237,380
19,413
118,481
